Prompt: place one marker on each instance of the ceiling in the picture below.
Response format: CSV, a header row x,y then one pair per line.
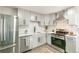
x,y
44,9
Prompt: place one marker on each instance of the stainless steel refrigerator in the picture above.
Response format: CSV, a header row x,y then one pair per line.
x,y
8,31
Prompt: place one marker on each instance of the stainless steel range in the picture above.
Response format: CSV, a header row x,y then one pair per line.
x,y
58,40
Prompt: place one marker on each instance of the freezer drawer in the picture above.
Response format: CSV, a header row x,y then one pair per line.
x,y
8,50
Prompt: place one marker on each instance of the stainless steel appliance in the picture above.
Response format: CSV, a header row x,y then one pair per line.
x,y
71,44
24,44
7,33
58,40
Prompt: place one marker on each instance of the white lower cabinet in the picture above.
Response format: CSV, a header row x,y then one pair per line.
x,y
41,39
30,42
34,41
49,39
44,38
38,39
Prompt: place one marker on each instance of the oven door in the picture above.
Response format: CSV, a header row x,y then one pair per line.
x,y
58,42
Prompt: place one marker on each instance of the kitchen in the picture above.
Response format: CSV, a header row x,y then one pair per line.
x,y
39,29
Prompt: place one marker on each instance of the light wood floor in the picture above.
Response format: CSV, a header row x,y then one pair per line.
x,y
43,49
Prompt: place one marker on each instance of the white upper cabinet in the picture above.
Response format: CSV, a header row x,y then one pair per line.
x,y
73,16
52,17
35,17
24,17
38,17
42,20
47,19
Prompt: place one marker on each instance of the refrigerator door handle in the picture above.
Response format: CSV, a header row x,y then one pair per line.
x,y
2,27
25,42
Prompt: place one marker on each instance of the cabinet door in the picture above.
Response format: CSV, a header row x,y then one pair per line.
x,y
39,39
24,17
34,16
72,20
52,17
70,44
49,39
38,17
35,41
71,15
43,38
31,42
42,20
47,21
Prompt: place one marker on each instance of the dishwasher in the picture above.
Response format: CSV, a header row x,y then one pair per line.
x,y
24,44
71,44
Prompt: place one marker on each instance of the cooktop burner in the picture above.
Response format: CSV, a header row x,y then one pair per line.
x,y
62,33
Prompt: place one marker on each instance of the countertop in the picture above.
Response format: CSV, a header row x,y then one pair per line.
x,y
71,35
21,35
50,32
30,34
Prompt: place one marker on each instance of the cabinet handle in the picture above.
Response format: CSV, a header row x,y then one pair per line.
x,y
39,39
71,39
25,42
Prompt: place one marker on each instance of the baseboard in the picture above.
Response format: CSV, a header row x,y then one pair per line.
x,y
39,46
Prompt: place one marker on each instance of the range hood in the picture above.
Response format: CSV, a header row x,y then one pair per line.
x,y
60,16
